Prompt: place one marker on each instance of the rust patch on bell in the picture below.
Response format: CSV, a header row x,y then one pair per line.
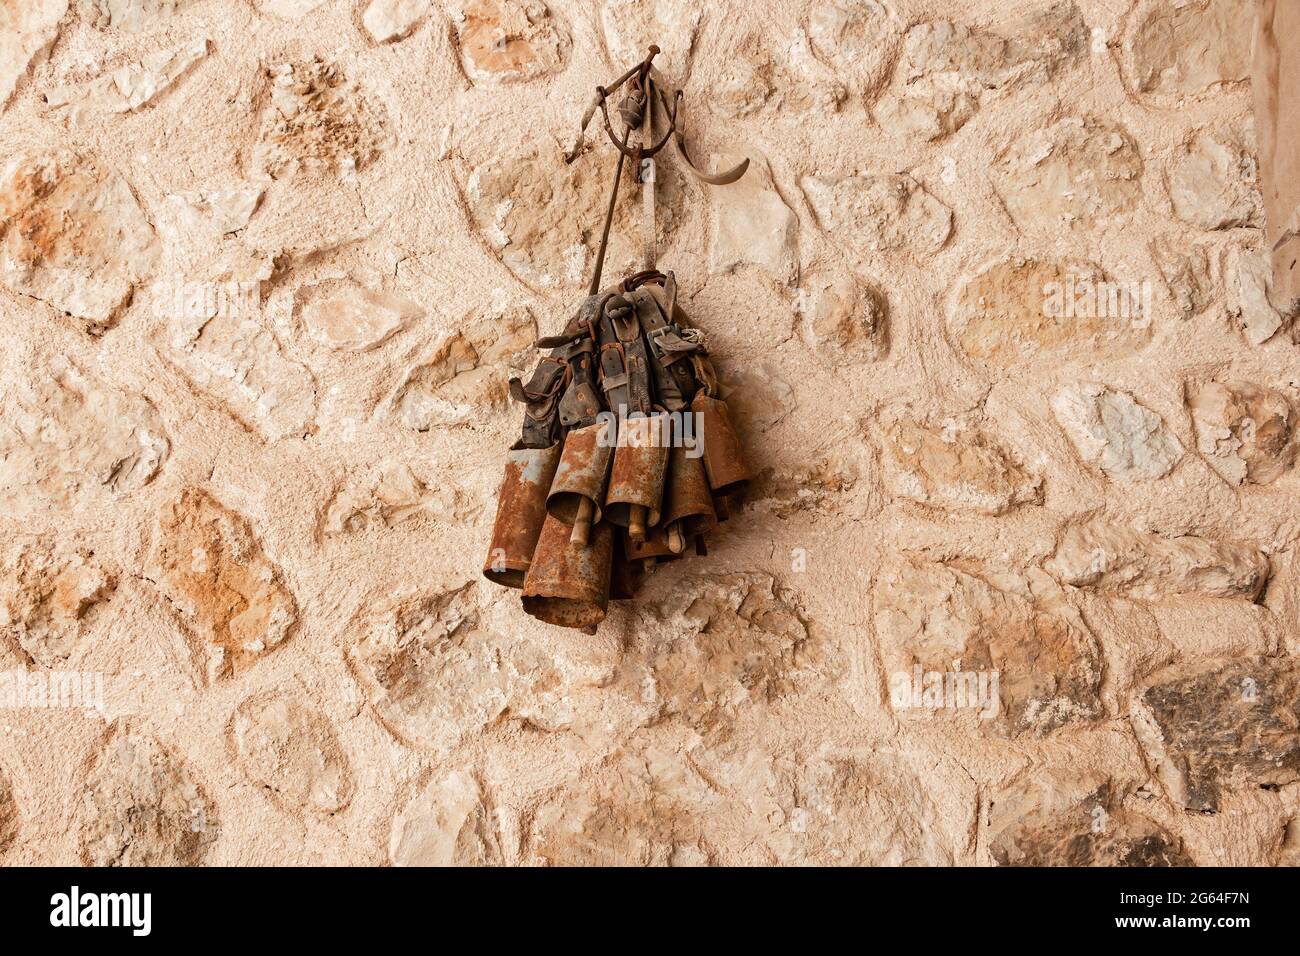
x,y
640,467
568,584
583,469
521,510
724,456
688,499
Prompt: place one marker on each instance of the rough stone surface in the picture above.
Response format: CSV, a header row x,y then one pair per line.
x,y
853,39
46,597
1021,310
350,318
1187,48
69,438
1214,728
1214,182
222,344
543,217
1062,820
765,70
886,213
758,398
1110,430
825,485
318,119
9,819
72,235
752,225
391,494
466,375
27,29
292,752
446,824
631,26
1083,171
943,619
644,812
389,20
947,68
845,320
1112,558
847,808
434,673
954,467
505,40
211,568
141,806
131,16
740,641
130,87
1246,432
1250,295
1191,275
839,807
288,9
224,211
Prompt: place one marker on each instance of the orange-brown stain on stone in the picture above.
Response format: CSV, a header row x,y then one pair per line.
x,y
211,567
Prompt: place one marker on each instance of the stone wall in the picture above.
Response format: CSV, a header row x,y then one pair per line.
x,y
1016,581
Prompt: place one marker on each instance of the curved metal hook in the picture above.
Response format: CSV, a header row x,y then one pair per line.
x,y
646,77
724,178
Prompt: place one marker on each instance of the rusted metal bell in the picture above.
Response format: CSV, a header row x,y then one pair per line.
x,y
568,584
688,502
724,457
636,484
584,467
687,511
521,509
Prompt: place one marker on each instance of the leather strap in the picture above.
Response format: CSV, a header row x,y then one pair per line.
x,y
671,346
580,404
668,391
624,359
568,366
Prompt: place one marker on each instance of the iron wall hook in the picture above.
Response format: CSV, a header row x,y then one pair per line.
x,y
647,84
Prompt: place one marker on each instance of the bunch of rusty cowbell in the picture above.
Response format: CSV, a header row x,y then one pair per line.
x,y
628,455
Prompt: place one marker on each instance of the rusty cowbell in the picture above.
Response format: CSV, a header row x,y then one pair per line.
x,y
636,485
724,455
578,490
627,457
521,509
689,512
568,584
